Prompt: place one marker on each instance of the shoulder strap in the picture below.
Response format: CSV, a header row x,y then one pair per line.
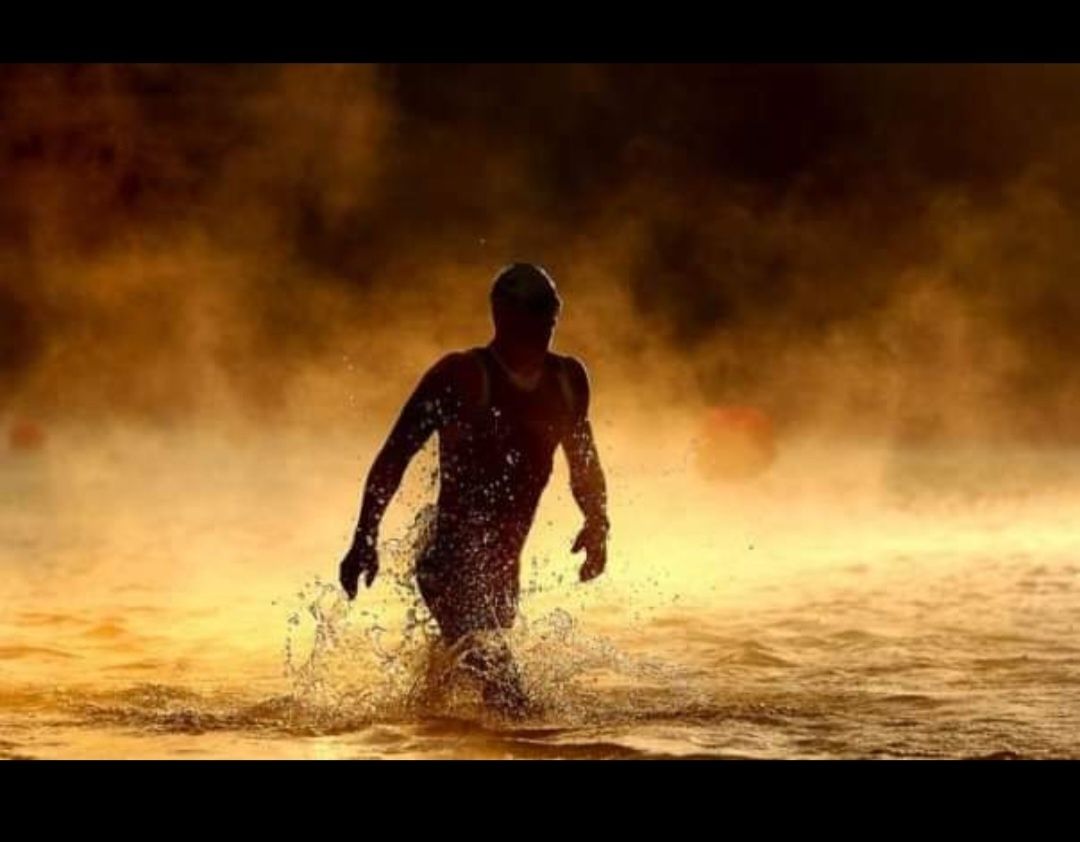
x,y
485,377
566,388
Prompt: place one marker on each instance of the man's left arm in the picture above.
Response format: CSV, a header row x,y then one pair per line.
x,y
586,477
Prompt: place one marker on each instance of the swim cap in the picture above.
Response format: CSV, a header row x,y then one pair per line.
x,y
525,286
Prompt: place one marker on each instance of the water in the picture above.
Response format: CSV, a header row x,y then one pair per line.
x,y
172,595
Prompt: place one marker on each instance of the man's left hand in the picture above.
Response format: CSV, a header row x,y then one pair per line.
x,y
592,539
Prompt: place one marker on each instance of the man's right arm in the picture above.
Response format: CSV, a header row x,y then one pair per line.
x,y
423,414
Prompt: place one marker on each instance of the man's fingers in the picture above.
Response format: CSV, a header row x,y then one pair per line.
x,y
579,543
370,577
594,564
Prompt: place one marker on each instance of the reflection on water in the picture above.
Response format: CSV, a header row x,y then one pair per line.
x,y
173,596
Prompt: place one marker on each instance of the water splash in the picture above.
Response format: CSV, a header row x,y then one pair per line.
x,y
386,662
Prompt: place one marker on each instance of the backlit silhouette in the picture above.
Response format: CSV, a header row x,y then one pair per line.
x,y
500,412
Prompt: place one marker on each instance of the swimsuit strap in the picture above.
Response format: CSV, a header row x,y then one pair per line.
x,y
565,387
485,377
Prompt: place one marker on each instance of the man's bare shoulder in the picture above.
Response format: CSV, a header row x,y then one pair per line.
x,y
578,376
456,372
449,364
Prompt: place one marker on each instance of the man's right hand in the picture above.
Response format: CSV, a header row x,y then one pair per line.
x,y
362,557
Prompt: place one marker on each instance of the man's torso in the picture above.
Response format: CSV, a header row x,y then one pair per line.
x,y
496,450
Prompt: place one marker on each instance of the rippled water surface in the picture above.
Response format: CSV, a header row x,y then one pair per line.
x,y
172,596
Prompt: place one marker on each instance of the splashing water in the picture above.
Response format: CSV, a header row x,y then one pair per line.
x,y
355,668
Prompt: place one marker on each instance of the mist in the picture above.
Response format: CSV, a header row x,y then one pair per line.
x,y
857,250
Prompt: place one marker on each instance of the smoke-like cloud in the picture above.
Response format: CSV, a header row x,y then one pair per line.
x,y
874,250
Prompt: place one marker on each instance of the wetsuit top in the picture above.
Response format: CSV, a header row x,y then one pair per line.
x,y
496,454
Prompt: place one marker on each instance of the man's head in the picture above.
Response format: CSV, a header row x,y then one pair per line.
x,y
525,305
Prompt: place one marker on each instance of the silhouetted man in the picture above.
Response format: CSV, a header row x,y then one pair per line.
x,y
500,412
